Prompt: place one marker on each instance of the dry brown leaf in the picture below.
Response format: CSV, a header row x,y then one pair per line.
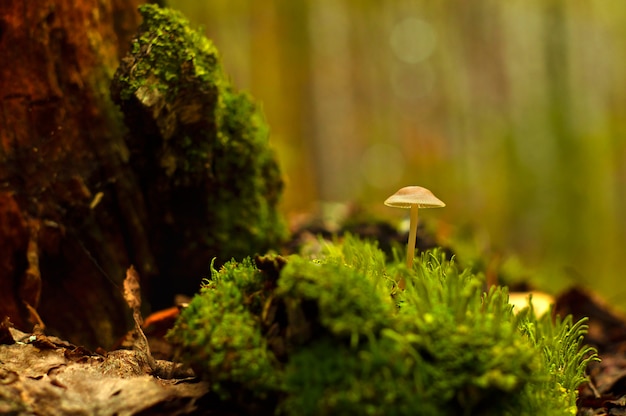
x,y
52,382
132,289
132,295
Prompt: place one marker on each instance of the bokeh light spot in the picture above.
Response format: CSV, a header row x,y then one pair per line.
x,y
413,40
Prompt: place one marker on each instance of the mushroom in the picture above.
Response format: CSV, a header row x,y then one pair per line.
x,y
413,197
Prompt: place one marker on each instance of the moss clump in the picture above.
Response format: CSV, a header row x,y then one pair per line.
x,y
338,338
232,350
198,147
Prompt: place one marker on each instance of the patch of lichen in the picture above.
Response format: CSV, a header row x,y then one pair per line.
x,y
198,145
340,339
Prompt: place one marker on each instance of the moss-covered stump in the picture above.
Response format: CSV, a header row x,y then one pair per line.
x,y
200,150
334,336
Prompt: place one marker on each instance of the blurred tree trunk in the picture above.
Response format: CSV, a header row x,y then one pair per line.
x,y
68,206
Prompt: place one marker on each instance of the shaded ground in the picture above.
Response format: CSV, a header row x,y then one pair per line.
x,y
605,394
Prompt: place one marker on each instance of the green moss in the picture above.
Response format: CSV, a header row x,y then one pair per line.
x,y
340,339
171,53
230,351
199,146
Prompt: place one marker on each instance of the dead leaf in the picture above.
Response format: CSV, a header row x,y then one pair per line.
x,y
52,382
132,295
132,289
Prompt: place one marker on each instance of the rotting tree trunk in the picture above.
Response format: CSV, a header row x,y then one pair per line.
x,y
62,151
192,178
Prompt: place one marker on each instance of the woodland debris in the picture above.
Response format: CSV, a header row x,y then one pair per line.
x,y
58,378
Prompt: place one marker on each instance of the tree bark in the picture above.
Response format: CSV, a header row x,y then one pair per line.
x,y
69,217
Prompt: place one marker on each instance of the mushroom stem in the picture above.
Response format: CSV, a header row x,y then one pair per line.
x,y
410,249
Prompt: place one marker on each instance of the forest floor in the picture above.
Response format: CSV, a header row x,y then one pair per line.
x,y
42,374
46,375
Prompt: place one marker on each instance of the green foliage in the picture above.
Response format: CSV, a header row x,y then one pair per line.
x,y
341,339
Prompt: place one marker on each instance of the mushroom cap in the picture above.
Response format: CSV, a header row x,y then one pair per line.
x,y
414,195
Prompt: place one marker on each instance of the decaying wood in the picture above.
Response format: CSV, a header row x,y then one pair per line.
x,y
61,146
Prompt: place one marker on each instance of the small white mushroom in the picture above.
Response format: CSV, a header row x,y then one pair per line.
x,y
413,197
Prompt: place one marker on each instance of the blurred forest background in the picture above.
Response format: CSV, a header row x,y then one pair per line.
x,y
513,113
